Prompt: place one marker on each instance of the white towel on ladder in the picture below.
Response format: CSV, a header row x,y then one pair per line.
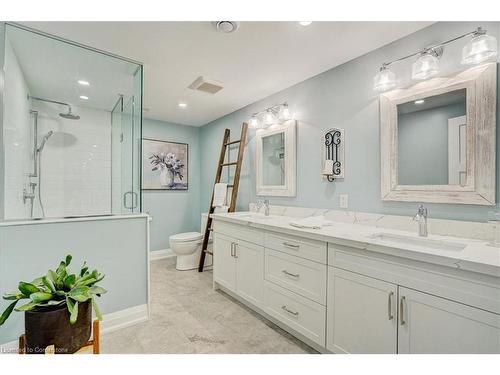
x,y
220,194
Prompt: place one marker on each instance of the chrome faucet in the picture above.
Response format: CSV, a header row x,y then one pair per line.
x,y
421,217
264,203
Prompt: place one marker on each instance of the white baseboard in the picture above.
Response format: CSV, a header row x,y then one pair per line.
x,y
124,318
160,254
110,322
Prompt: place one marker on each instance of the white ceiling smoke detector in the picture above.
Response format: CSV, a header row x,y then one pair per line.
x,y
206,85
226,27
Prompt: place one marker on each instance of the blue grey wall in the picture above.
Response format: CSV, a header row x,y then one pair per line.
x,y
425,162
116,247
174,211
341,97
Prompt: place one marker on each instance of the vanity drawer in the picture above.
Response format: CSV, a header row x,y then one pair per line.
x,y
298,313
298,246
299,275
240,232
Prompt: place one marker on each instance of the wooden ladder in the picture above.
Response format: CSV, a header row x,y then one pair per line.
x,y
226,143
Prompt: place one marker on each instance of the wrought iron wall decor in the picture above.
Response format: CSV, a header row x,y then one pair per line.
x,y
333,154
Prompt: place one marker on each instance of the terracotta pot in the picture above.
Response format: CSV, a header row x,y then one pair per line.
x,y
51,326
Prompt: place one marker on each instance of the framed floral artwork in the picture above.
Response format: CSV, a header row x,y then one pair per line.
x,y
164,165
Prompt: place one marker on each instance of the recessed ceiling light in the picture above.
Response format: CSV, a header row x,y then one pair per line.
x,y
83,97
83,82
420,101
182,105
305,23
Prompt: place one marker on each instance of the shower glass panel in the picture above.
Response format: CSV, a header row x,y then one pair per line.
x,y
70,126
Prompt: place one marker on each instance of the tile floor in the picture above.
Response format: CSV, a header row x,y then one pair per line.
x,y
188,316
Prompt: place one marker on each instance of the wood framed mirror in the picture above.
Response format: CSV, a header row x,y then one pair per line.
x,y
438,139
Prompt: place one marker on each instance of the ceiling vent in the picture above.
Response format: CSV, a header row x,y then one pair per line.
x,y
206,85
226,26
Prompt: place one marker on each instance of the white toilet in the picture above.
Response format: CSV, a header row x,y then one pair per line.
x,y
187,247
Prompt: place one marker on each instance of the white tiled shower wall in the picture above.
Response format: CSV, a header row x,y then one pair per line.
x,y
76,162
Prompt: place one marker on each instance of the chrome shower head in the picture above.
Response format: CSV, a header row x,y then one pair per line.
x,y
44,139
69,115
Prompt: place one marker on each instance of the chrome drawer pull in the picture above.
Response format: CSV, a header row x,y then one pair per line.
x,y
402,303
389,306
290,245
290,274
296,313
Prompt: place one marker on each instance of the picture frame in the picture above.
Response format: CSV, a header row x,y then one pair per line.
x,y
165,165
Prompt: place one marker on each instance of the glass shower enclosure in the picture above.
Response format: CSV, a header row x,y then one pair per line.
x,y
70,127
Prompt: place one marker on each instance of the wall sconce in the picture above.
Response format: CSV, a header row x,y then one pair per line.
x,y
275,114
333,154
480,48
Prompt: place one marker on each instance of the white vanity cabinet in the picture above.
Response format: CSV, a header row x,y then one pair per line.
x,y
362,314
430,324
239,267
374,306
341,298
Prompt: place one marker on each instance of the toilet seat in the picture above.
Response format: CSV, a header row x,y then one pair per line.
x,y
186,237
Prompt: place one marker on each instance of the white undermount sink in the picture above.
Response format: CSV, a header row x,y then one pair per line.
x,y
253,215
422,242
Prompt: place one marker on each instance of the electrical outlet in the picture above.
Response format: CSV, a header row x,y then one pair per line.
x,y
344,200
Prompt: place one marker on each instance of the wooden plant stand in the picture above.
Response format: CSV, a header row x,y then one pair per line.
x,y
92,346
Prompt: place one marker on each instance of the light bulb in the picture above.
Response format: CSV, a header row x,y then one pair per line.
x,y
384,80
269,118
480,48
254,122
284,112
426,66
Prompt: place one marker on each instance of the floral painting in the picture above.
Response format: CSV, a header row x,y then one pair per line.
x,y
164,165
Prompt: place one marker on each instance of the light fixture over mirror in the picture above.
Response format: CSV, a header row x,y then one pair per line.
x,y
276,114
481,48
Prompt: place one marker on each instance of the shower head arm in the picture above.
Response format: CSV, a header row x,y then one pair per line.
x,y
50,101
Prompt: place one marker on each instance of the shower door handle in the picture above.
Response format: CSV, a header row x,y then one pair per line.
x,y
125,200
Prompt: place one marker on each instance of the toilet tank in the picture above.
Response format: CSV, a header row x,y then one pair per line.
x,y
204,218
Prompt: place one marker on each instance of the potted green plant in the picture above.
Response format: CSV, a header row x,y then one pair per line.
x,y
59,308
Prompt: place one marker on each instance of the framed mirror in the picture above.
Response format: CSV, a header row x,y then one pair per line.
x,y
438,140
276,160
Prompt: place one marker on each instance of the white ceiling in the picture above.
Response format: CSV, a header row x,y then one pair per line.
x,y
259,59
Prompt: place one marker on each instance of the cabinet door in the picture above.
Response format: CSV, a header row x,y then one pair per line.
x,y
224,262
361,314
430,324
250,271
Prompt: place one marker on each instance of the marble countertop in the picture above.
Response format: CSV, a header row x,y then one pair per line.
x,y
476,255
